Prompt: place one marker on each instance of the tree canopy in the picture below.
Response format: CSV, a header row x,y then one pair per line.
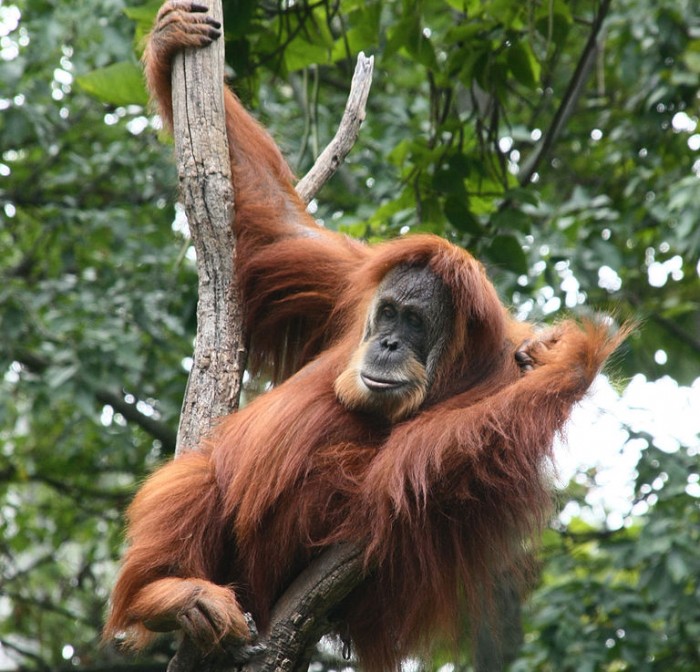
x,y
558,141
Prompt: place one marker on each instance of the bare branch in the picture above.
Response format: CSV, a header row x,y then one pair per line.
x,y
348,130
571,97
155,428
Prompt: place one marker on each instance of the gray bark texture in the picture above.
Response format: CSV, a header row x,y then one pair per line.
x,y
204,172
214,384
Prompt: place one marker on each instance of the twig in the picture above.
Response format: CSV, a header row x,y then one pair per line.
x,y
571,97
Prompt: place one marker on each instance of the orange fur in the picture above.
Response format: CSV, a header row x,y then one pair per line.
x,y
445,500
208,610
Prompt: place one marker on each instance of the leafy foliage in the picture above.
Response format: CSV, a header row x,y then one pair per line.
x,y
627,598
89,311
579,191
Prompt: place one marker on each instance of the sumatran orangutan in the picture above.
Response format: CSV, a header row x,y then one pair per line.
x,y
408,417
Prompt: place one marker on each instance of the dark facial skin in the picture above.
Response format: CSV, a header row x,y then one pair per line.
x,y
409,323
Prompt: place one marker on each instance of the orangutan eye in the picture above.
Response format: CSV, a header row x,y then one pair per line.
x,y
414,320
387,311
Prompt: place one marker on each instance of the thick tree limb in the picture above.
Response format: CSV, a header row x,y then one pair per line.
x,y
299,619
201,148
214,384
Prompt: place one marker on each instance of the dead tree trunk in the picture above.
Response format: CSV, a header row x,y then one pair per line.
x,y
204,172
214,384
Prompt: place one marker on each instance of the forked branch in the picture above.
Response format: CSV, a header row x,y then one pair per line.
x,y
214,384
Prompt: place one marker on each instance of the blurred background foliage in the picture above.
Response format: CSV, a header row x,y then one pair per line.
x,y
557,140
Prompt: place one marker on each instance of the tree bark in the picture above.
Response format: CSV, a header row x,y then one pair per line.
x,y
201,149
299,618
214,383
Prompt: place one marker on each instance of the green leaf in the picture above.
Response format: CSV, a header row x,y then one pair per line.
x,y
364,33
511,219
692,62
450,176
457,5
408,35
117,84
238,17
677,567
301,54
145,13
57,376
553,21
506,252
523,195
459,215
523,64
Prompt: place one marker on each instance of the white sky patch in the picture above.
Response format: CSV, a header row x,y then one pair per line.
x,y
63,77
9,22
9,19
137,125
180,224
571,286
505,144
597,438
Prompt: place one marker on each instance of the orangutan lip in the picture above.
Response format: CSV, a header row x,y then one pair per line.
x,y
377,385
